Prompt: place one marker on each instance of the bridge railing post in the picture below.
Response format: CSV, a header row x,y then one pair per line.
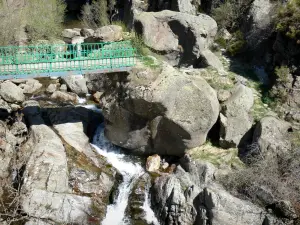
x,y
110,59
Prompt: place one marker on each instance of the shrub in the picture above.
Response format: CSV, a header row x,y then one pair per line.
x,y
289,19
44,21
138,43
10,23
278,176
224,15
236,44
280,90
95,15
229,15
121,24
282,74
221,42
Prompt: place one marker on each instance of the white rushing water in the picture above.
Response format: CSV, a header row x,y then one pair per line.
x,y
81,100
131,171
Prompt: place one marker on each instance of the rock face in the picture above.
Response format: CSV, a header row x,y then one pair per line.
x,y
271,136
234,117
7,145
108,33
135,208
76,83
58,207
5,109
20,131
64,180
259,22
163,112
190,197
47,166
190,7
184,39
11,92
95,82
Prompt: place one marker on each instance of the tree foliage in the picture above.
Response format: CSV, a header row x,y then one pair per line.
x,y
95,15
229,14
44,18
289,19
10,23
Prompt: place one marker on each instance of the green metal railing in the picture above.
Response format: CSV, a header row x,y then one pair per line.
x,y
20,61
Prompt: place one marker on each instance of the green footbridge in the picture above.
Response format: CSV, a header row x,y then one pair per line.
x,y
66,59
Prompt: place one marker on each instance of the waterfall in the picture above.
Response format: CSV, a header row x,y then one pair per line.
x,y
131,170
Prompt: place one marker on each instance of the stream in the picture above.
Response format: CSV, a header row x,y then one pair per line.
x,y
131,170
128,165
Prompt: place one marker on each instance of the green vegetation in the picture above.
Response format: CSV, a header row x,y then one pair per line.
x,y
217,156
289,19
282,74
10,23
236,44
229,14
280,92
95,15
278,175
44,21
138,42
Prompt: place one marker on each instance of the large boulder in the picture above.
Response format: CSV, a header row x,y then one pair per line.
x,y
271,135
191,196
163,111
65,181
108,33
235,118
184,39
11,92
70,33
59,207
31,86
72,125
76,83
46,168
64,96
171,204
214,202
189,6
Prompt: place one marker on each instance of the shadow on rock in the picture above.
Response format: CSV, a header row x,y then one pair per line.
x,y
34,115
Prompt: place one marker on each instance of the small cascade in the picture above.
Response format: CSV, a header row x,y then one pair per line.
x,y
131,170
81,100
150,216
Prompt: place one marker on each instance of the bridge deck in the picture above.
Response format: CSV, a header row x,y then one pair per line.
x,y
64,68
53,60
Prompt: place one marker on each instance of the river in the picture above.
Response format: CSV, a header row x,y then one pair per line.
x,y
131,170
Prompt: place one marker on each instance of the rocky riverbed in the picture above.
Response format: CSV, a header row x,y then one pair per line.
x,y
58,167
184,138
